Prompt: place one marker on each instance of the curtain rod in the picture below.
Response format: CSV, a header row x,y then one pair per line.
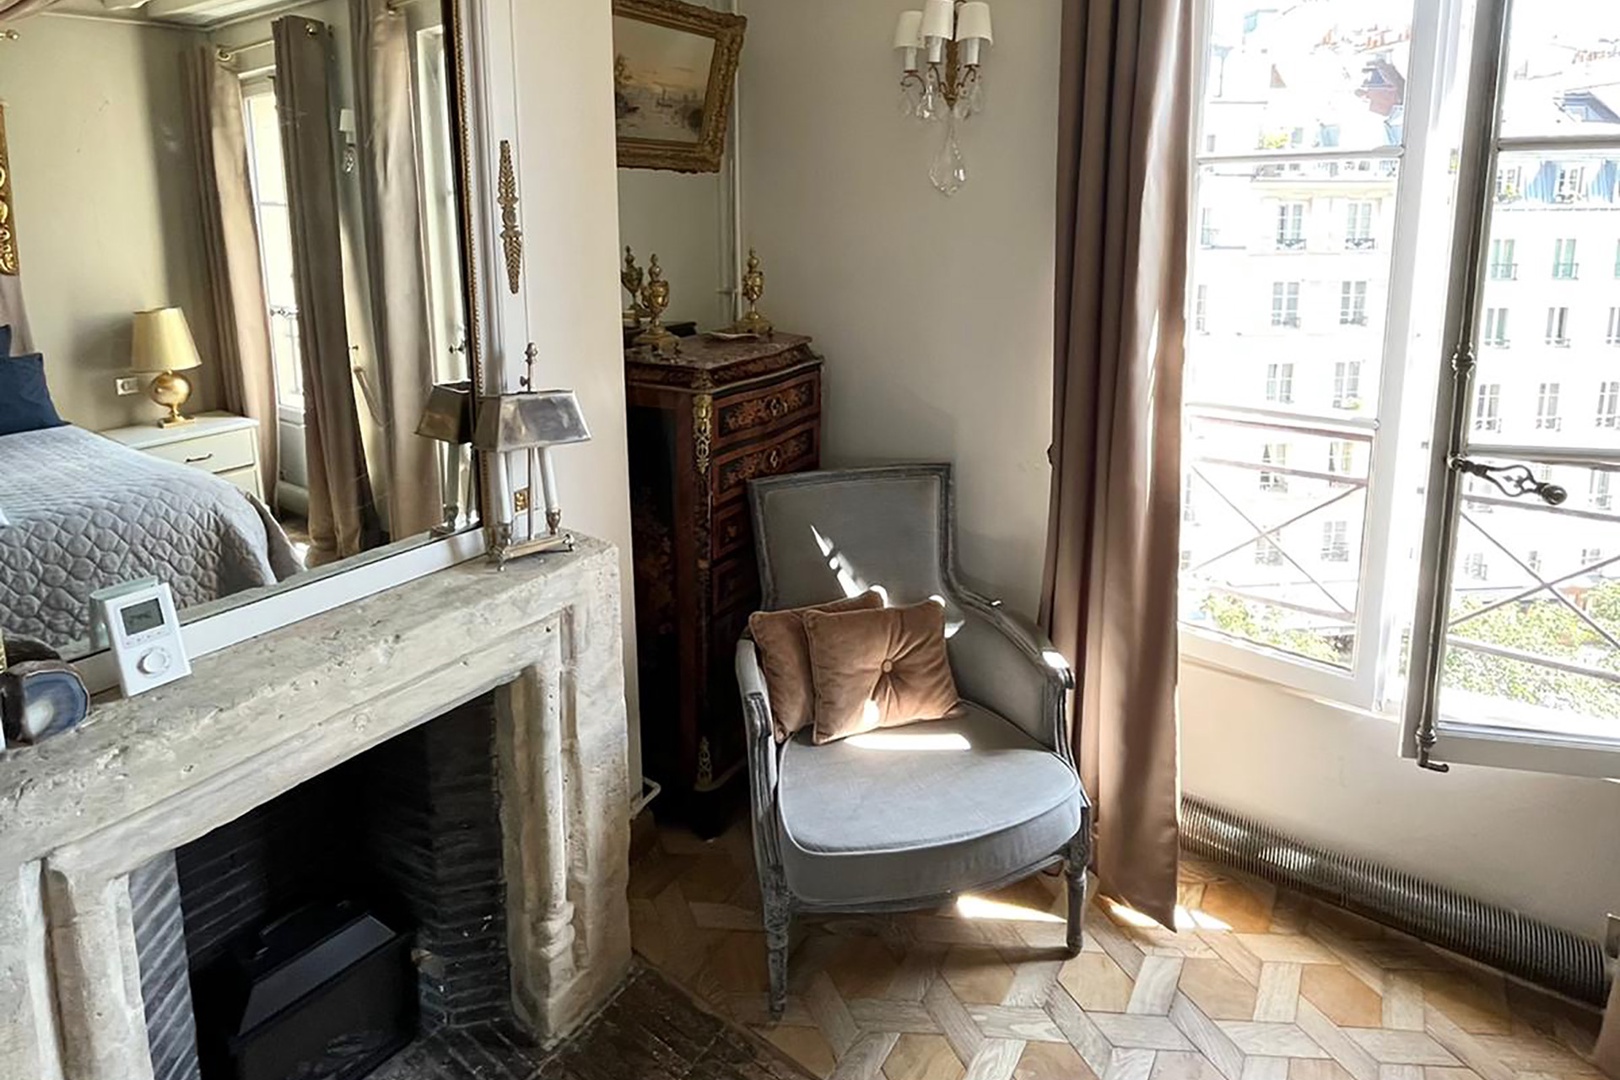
x,y
227,53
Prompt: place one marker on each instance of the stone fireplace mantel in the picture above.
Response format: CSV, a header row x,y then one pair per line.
x,y
144,776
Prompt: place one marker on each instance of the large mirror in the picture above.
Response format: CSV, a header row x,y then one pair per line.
x,y
239,273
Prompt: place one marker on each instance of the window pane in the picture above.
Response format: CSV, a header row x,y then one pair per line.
x,y
1331,74
1305,291
1534,634
1550,320
1562,73
1272,528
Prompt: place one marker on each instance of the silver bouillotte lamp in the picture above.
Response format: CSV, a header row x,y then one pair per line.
x,y
531,423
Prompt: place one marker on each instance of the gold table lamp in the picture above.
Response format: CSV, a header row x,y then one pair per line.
x,y
163,344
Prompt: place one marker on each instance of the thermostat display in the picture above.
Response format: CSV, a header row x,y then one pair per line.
x,y
143,617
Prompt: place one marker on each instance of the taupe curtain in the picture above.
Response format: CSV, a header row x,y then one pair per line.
x,y
391,193
1109,599
235,270
342,514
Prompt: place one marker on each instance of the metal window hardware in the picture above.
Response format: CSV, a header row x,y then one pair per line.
x,y
1514,481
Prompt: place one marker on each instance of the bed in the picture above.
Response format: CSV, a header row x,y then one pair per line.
x,y
79,512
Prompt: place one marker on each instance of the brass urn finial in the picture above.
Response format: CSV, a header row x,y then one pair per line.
x,y
630,278
655,298
753,287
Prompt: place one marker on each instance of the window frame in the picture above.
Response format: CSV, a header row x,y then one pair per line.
x,y
1495,333
1353,293
1383,596
1548,417
257,85
1608,407
1431,740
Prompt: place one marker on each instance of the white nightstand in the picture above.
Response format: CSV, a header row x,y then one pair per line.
x,y
216,442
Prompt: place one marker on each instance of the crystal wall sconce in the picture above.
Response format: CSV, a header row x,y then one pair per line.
x,y
942,46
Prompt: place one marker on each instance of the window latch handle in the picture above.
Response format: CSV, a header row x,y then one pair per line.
x,y
1514,481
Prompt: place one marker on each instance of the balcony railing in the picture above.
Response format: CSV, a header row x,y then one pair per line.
x,y
1566,271
1266,537
1358,318
1290,320
1504,271
1360,243
1290,243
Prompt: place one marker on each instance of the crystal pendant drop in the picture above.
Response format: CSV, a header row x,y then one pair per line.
x,y
948,171
908,102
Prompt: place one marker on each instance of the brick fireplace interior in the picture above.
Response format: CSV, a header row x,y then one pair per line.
x,y
409,831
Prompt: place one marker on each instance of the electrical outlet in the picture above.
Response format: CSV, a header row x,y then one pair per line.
x,y
127,385
520,500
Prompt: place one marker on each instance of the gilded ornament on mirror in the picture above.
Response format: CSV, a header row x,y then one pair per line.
x,y
511,231
8,230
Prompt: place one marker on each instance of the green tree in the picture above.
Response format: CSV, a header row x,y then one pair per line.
x,y
1539,627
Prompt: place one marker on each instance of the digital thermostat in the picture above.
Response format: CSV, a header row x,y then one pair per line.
x,y
144,633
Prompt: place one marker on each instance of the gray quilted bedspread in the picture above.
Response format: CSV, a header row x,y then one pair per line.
x,y
79,512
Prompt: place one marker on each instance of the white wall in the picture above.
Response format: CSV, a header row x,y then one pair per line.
x,y
569,201
934,313
103,172
1546,845
935,317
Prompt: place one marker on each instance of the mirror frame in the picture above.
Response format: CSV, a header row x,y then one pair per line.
x,y
483,89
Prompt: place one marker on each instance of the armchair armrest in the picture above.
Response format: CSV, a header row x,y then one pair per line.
x,y
1005,663
762,752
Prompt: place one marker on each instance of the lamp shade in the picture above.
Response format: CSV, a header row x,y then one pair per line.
x,y
448,415
939,17
523,421
163,342
973,24
908,31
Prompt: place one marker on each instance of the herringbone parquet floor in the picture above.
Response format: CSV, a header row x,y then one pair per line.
x,y
1256,985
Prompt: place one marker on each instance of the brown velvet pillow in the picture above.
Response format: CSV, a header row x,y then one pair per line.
x,y
877,669
785,658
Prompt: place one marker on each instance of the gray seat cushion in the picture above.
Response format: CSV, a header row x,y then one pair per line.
x,y
921,811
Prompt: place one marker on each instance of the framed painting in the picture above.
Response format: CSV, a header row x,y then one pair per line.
x,y
673,68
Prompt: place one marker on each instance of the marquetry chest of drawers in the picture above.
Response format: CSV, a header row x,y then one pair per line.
x,y
701,425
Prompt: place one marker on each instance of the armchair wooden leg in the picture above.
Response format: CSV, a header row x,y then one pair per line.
x,y
1079,857
778,922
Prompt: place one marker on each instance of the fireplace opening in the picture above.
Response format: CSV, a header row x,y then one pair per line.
x,y
314,936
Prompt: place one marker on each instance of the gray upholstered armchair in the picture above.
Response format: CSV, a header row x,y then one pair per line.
x,y
938,808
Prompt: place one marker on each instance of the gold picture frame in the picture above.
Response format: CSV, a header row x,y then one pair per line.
x,y
674,66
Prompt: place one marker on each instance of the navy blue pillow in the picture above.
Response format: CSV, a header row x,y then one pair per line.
x,y
25,402
5,341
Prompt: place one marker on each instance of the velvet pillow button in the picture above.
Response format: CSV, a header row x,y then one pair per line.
x,y
888,666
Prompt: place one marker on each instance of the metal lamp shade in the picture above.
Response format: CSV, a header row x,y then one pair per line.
x,y
448,416
524,421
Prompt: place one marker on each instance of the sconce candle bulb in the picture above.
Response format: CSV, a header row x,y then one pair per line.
x,y
953,33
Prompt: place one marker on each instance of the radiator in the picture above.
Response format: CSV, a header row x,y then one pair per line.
x,y
1523,947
